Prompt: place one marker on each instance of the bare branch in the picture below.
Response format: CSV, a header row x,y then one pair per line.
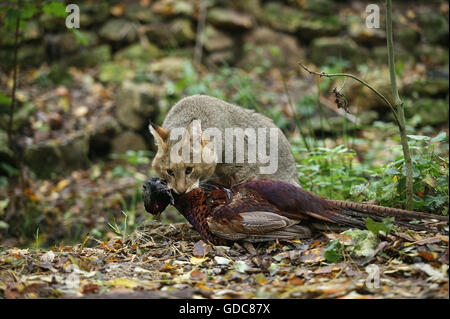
x,y
329,75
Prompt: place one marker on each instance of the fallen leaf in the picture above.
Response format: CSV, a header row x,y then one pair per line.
x,y
197,275
48,257
122,282
295,281
260,279
241,266
90,288
198,261
201,249
222,260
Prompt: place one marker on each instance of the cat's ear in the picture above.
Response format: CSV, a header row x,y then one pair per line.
x,y
159,133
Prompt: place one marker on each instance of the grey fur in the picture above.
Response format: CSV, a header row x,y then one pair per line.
x,y
213,112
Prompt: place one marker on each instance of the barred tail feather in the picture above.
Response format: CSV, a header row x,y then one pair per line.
x,y
399,214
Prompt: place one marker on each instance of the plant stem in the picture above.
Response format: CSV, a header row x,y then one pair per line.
x,y
399,107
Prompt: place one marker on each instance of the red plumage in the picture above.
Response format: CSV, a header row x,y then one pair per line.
x,y
264,210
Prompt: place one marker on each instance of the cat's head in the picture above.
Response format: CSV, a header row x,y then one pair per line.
x,y
183,161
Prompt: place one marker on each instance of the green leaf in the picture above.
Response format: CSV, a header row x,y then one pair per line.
x,y
419,137
81,38
386,226
4,99
333,252
56,9
440,137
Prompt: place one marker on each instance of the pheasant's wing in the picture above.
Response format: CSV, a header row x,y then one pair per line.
x,y
257,226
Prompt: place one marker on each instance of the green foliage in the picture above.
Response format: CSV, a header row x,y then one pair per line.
x,y
27,9
54,8
385,227
335,173
134,157
430,176
334,251
329,172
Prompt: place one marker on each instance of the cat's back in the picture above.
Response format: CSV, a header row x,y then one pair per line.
x,y
212,112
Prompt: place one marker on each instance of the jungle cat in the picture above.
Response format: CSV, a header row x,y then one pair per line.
x,y
197,113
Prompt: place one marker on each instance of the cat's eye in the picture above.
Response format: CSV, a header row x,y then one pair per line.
x,y
188,170
170,172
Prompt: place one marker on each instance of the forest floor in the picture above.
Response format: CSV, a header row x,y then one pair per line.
x,y
170,261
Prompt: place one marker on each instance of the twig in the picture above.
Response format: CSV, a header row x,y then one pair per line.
x,y
348,75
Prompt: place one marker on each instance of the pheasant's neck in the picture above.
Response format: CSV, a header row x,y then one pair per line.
x,y
195,209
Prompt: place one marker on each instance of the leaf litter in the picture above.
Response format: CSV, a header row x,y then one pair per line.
x,y
168,261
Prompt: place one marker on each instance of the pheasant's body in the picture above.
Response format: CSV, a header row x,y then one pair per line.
x,y
264,210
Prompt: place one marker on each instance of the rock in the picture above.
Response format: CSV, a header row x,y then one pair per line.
x,y
117,30
229,19
173,8
177,33
136,12
32,31
31,55
65,44
102,131
320,7
380,54
136,103
89,57
322,49
295,21
252,7
215,40
409,38
312,28
112,72
128,141
138,52
359,32
51,23
282,17
220,58
93,12
429,86
171,67
434,25
363,97
432,54
54,157
281,50
431,111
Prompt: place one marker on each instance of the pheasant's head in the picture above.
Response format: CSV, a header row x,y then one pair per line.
x,y
157,195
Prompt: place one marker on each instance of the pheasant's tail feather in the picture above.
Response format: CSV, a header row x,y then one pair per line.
x,y
371,210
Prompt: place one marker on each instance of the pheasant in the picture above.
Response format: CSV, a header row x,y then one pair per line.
x,y
263,210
